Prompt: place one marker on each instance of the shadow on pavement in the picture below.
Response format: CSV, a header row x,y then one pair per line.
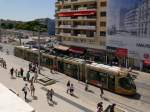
x,y
106,99
137,96
69,101
28,100
75,96
35,98
90,91
13,77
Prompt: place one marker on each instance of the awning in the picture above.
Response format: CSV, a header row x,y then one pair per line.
x,y
77,13
61,47
122,52
77,50
147,62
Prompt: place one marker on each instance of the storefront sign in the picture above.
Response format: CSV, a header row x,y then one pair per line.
x,y
121,52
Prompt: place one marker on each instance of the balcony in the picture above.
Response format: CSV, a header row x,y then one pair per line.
x,y
65,34
69,2
85,27
65,10
65,26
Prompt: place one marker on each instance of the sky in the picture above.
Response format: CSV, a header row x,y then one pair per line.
x,y
26,10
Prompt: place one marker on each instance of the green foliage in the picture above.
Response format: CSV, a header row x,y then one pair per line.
x,y
31,26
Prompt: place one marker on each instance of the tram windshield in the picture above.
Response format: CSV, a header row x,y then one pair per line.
x,y
127,83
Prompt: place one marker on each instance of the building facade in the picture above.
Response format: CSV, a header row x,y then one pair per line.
x,y
82,23
114,31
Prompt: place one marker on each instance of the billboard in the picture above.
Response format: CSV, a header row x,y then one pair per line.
x,y
128,27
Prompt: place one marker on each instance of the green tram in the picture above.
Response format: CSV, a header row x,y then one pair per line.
x,y
67,65
114,79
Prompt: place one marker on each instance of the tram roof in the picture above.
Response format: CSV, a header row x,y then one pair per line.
x,y
108,68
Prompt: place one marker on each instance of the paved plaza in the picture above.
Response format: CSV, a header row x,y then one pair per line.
x,y
83,101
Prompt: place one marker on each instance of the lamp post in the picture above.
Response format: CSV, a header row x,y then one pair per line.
x,y
39,62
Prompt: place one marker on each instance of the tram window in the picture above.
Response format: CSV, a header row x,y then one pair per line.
x,y
103,78
125,83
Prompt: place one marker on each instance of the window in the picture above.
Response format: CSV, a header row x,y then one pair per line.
x,y
102,23
102,33
103,4
103,14
126,83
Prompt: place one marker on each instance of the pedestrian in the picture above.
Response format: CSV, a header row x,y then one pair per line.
x,y
112,108
71,89
30,66
86,85
68,86
28,76
51,69
7,52
21,72
12,72
25,89
50,94
31,81
32,88
100,107
55,68
5,65
101,89
35,76
16,73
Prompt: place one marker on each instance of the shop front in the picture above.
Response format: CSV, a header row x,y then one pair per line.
x,y
61,49
96,55
77,52
119,57
146,65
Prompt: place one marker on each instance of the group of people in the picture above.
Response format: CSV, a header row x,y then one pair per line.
x,y
110,109
70,88
18,73
3,63
28,78
25,89
33,67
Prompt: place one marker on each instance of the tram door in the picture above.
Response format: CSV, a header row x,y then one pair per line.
x,y
111,82
61,66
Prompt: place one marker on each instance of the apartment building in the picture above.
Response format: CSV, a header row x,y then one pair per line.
x,y
82,23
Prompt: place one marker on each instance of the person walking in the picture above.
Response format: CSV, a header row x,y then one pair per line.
x,y
50,94
30,66
12,72
100,107
32,88
5,65
86,85
21,72
25,89
101,89
51,69
112,108
7,52
31,81
35,76
71,89
16,73
68,86
28,76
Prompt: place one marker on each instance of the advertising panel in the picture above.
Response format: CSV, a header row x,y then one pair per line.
x,y
128,27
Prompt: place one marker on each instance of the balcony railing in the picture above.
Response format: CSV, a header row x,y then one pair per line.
x,y
86,27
